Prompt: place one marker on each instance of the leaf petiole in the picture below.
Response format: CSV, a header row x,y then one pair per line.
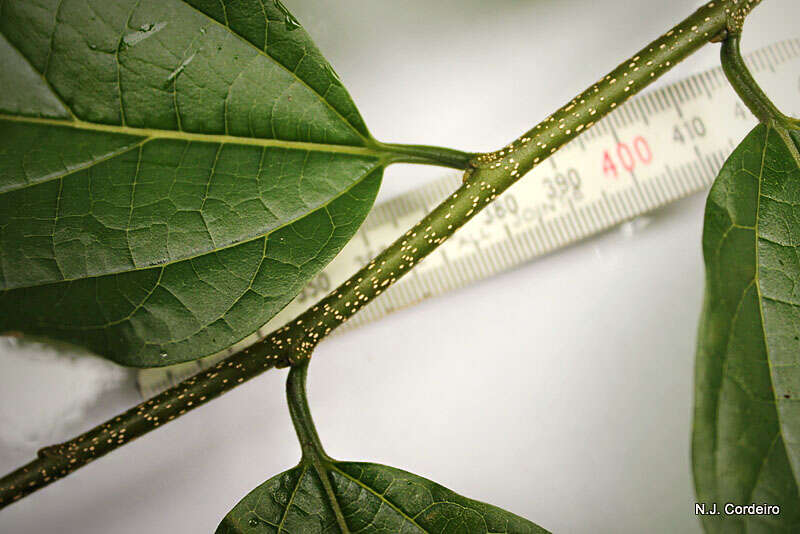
x,y
314,455
746,86
426,155
301,414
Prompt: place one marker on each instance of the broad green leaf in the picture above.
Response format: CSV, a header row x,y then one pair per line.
x,y
326,496
371,499
171,171
746,442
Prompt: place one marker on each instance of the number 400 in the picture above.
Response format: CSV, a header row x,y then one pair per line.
x,y
627,156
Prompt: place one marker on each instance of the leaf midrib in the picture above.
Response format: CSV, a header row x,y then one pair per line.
x,y
145,135
782,135
154,133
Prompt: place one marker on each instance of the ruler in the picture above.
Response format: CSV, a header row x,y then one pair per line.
x,y
661,146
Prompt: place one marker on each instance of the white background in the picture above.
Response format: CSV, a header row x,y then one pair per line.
x,y
561,391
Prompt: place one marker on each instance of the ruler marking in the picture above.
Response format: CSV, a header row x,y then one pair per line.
x,y
609,207
655,100
785,51
689,95
481,262
590,215
599,210
675,179
546,237
619,206
705,85
553,229
649,191
461,275
472,265
795,45
765,60
658,99
558,234
678,179
528,238
622,208
586,219
514,248
704,162
564,221
694,173
653,191
571,218
688,178
773,57
508,252
456,267
664,186
537,245
629,197
763,57
641,104
683,90
469,267
521,245
575,222
698,87
670,91
673,188
752,63
418,284
791,48
627,113
710,82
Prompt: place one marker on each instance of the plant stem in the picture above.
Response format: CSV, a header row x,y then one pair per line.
x,y
489,175
746,86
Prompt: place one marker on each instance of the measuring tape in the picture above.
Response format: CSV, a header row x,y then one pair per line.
x,y
659,147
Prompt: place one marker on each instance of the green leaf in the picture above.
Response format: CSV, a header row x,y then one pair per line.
x,y
371,498
746,443
172,172
324,495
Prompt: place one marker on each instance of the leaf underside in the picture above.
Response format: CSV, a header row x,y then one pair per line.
x,y
372,499
746,442
172,172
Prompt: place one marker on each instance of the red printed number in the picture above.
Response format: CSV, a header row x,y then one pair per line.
x,y
627,156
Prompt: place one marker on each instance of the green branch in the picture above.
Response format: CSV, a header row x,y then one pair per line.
x,y
489,175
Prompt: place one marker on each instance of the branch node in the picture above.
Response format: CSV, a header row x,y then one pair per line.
x,y
737,14
720,37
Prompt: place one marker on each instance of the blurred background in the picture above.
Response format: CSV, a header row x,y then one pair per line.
x,y
561,391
